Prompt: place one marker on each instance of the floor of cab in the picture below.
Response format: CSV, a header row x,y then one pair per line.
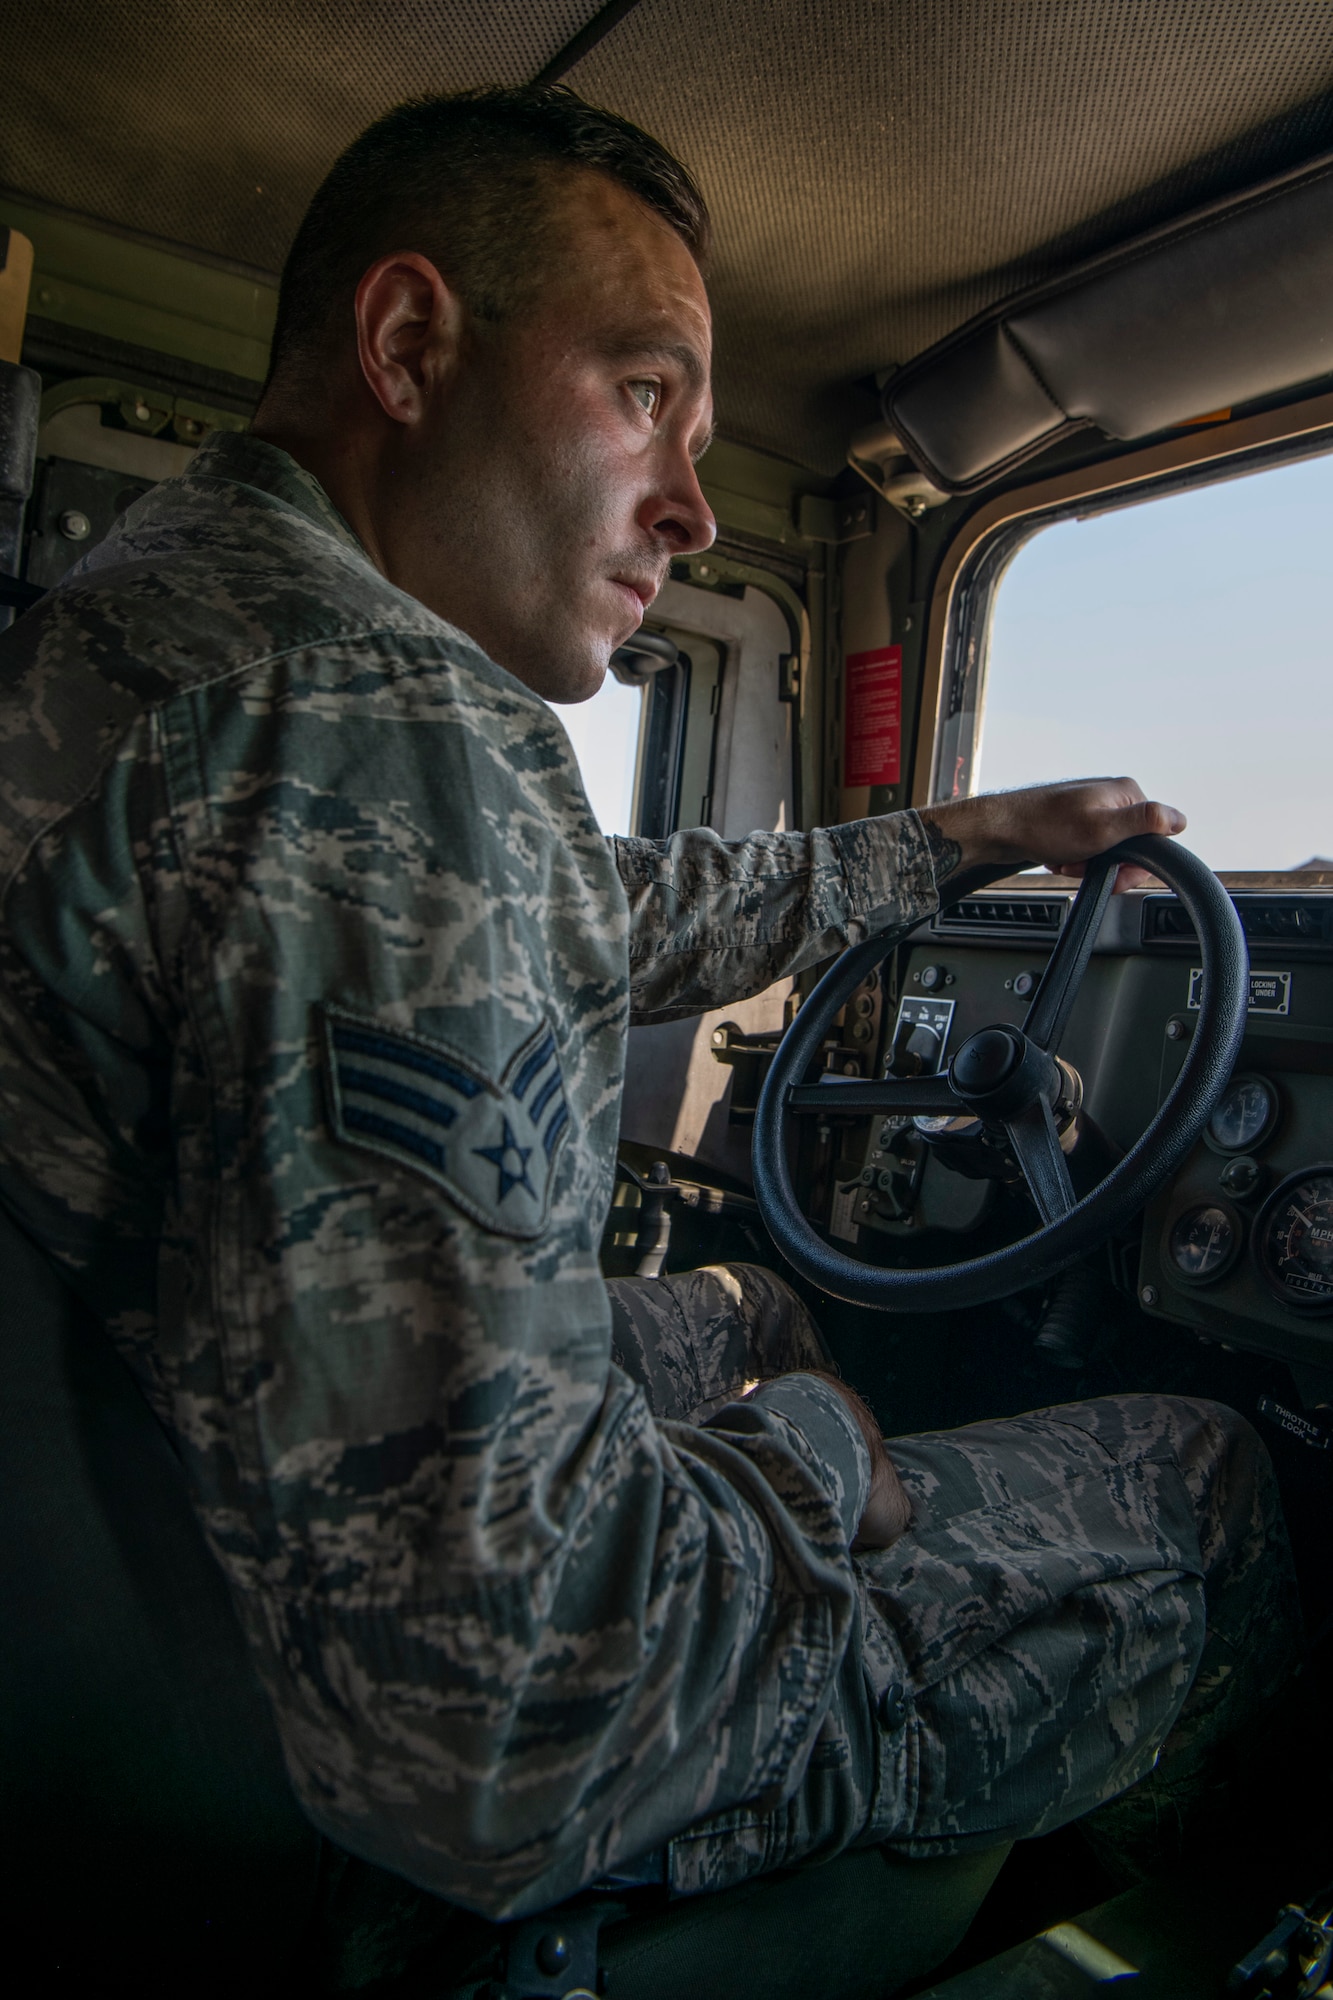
x,y
1176,1939
1054,1927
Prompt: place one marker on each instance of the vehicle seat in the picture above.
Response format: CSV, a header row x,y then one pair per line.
x,y
858,1928
150,1833
148,1819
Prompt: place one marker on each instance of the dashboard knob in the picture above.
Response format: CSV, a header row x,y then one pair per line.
x,y
1241,1176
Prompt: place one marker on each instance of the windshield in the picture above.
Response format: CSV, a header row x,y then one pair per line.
x,y
1187,642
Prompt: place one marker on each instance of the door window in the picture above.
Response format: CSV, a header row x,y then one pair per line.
x,y
1187,642
605,736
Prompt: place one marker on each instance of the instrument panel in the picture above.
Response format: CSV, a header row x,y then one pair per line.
x,y
1239,1244
1290,1241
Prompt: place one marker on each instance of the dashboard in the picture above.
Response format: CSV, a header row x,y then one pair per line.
x,y
1238,1245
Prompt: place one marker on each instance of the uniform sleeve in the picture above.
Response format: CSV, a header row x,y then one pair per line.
x,y
713,921
821,1431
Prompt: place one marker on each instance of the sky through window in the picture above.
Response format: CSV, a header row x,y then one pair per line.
x,y
1186,642
605,736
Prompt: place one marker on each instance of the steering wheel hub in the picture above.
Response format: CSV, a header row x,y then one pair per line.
x,y
985,1061
998,1071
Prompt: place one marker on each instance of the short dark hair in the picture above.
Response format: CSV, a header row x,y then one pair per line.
x,y
467,181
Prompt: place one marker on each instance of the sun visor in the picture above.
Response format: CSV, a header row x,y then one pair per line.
x,y
1231,303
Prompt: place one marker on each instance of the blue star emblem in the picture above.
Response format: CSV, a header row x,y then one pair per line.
x,y
500,1157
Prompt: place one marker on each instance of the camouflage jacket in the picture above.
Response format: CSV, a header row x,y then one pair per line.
x,y
315,975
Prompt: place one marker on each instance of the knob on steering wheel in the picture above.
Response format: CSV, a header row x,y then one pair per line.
x,y
1008,1076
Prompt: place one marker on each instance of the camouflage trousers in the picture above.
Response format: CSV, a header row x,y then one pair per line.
x,y
1091,1603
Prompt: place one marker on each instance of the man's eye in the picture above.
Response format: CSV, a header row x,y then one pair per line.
x,y
647,395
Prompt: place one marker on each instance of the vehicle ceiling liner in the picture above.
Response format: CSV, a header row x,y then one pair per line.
x,y
881,171
1230,304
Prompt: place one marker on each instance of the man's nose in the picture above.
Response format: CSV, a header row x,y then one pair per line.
x,y
679,515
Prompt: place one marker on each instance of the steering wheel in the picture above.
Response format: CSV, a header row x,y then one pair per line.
x,y
1008,1077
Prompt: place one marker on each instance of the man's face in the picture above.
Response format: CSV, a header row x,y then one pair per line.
x,y
558,471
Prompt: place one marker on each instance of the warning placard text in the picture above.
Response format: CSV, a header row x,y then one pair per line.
x,y
872,740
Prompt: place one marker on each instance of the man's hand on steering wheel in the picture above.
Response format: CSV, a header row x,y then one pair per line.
x,y
1059,826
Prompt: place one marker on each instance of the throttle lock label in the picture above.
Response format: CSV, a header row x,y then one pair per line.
x,y
1270,992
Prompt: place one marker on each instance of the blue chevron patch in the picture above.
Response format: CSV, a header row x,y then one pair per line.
x,y
490,1145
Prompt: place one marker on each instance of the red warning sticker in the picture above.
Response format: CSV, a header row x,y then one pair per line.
x,y
872,740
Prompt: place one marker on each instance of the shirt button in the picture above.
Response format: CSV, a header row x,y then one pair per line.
x,y
893,1705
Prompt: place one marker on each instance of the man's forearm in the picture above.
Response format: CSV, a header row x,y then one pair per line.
x,y
946,852
713,921
1058,826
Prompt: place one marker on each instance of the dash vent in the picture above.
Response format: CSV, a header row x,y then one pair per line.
x,y
1296,925
1022,919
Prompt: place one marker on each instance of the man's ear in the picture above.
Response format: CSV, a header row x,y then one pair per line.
x,y
409,332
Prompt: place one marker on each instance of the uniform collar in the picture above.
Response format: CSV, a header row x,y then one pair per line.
x,y
249,461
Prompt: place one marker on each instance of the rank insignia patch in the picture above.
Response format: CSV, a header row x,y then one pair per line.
x,y
491,1146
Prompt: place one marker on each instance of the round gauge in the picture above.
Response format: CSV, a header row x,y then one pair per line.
x,y
1203,1242
947,1124
1245,1115
1293,1240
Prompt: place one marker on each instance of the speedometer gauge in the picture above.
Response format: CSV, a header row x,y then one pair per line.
x,y
1203,1242
1245,1116
1293,1240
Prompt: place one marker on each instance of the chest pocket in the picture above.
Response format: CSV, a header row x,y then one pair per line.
x,y
491,1146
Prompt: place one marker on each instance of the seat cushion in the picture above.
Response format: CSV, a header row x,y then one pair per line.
x,y
858,1928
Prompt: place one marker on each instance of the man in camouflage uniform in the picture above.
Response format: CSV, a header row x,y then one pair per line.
x,y
315,976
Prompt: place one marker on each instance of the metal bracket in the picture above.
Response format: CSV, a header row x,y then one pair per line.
x,y
1294,1960
849,519
877,454
555,1957
659,1192
749,1056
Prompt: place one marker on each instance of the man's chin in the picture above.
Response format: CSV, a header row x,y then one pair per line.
x,y
572,680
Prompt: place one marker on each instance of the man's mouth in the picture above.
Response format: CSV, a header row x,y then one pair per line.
x,y
639,591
